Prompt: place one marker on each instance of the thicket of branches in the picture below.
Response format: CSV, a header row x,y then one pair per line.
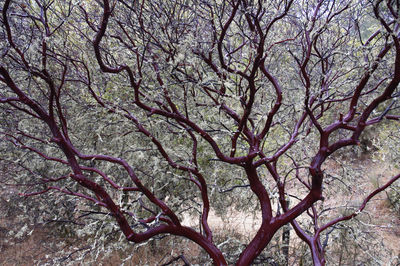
x,y
157,110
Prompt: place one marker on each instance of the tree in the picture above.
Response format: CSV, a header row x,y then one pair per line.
x,y
149,108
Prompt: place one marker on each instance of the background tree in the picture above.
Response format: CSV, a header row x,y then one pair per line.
x,y
153,110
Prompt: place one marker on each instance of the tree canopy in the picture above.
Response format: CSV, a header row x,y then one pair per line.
x,y
153,111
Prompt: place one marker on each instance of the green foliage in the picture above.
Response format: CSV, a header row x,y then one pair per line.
x,y
188,83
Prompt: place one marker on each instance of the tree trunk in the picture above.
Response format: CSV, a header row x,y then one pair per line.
x,y
286,239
